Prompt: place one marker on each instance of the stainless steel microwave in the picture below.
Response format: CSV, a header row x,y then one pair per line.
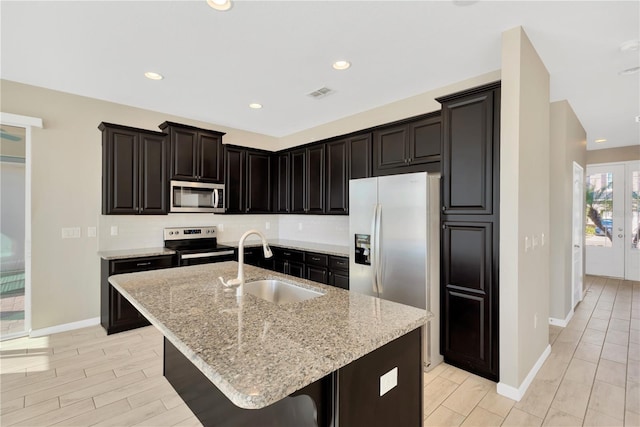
x,y
189,196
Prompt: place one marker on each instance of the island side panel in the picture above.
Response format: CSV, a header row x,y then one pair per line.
x,y
310,406
359,386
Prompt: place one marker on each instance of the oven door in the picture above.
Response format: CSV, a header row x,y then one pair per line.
x,y
195,258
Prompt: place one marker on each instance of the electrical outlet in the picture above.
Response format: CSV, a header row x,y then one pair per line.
x,y
535,321
221,227
299,226
527,245
267,225
388,381
114,230
92,231
542,240
535,242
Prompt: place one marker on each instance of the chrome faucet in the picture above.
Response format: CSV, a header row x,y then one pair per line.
x,y
239,281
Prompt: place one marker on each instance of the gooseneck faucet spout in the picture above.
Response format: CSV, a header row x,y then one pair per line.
x,y
239,281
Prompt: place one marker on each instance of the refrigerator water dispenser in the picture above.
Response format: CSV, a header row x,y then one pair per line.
x,y
363,249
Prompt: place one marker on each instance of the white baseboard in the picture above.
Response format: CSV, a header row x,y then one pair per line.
x,y
517,393
561,322
64,327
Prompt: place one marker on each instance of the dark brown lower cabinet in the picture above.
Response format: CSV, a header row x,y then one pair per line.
x,y
116,313
339,272
348,397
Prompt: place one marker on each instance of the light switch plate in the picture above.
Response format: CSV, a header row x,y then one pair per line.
x,y
388,381
71,233
91,231
114,230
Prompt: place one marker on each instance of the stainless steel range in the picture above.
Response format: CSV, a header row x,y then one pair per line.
x,y
196,245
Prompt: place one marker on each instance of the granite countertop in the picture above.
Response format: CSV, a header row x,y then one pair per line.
x,y
135,253
252,350
322,248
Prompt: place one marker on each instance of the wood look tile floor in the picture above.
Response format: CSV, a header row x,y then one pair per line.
x,y
83,377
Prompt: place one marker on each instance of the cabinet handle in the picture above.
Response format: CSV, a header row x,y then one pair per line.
x,y
286,253
315,259
142,264
340,263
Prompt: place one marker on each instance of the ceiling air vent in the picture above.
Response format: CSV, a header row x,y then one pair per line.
x,y
320,93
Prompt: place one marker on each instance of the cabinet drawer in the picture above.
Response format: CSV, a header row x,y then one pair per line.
x,y
140,264
317,259
288,254
338,263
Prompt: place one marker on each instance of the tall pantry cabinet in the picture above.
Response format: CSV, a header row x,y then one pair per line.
x,y
470,227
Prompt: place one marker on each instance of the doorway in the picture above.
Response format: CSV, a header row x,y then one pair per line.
x,y
577,271
12,226
611,226
15,224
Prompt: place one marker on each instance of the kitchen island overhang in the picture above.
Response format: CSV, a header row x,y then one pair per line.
x,y
257,352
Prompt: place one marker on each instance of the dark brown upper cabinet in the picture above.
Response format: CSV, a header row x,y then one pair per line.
x,y
134,171
468,155
359,156
258,191
281,172
196,154
298,181
234,178
247,180
408,146
315,179
337,177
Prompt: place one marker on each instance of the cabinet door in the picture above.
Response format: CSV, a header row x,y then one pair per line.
x,y
424,141
295,269
209,157
360,156
120,164
234,180
467,158
298,191
339,278
258,183
282,183
315,179
469,334
153,174
184,145
317,274
390,148
124,315
337,177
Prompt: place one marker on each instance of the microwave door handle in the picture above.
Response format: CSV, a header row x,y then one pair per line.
x,y
215,197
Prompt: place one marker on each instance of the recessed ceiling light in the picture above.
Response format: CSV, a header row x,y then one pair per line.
x,y
629,71
221,5
255,105
153,76
341,65
630,45
598,141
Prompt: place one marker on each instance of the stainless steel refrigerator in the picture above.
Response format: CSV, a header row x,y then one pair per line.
x,y
394,251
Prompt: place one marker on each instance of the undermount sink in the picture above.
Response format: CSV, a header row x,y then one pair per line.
x,y
279,292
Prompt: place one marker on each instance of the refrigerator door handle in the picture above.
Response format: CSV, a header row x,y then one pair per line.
x,y
378,270
373,251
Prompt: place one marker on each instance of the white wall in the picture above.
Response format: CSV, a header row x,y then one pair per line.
x,y
524,210
66,188
568,145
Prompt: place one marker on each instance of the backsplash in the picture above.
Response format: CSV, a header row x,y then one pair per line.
x,y
146,231
328,229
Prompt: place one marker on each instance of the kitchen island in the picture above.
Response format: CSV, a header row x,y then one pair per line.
x,y
320,361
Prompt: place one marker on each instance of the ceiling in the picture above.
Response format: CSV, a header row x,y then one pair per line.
x,y
215,63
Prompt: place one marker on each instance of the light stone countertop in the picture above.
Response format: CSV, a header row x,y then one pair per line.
x,y
135,253
254,351
322,248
